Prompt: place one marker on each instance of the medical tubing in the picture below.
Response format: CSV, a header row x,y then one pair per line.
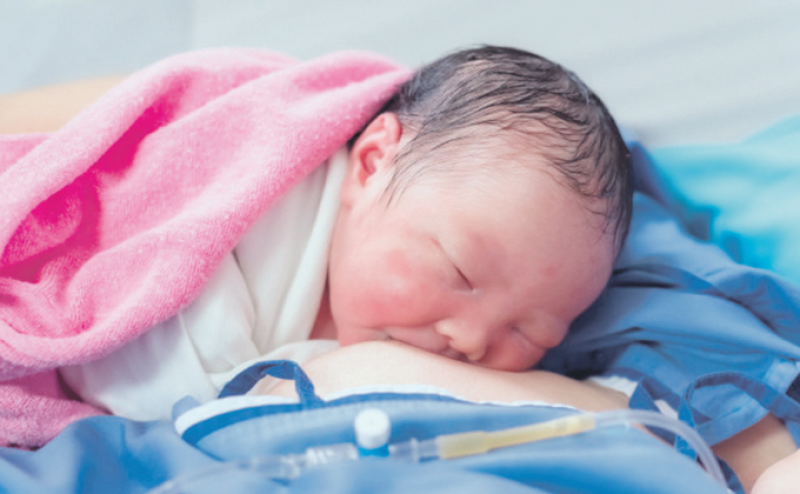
x,y
449,446
655,419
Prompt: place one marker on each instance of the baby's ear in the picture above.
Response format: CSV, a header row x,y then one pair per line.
x,y
374,151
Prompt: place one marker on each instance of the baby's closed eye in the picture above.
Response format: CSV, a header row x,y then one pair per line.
x,y
462,279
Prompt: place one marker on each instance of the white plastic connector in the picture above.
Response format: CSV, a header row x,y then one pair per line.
x,y
372,428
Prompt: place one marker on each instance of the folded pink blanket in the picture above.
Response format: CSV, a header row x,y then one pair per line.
x,y
114,222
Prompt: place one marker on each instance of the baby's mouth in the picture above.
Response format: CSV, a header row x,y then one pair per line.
x,y
447,351
454,355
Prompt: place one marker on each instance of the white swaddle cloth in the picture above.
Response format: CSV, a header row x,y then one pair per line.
x,y
261,304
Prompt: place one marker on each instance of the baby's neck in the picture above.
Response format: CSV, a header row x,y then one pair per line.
x,y
324,327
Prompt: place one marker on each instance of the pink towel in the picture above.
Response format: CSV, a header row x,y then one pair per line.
x,y
115,222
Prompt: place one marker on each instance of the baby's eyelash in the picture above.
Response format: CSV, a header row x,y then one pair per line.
x,y
463,277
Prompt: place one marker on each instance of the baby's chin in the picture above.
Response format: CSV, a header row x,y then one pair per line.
x,y
354,336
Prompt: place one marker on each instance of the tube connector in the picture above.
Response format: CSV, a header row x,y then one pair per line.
x,y
373,428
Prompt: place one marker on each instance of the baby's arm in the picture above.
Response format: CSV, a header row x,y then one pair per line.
x,y
47,109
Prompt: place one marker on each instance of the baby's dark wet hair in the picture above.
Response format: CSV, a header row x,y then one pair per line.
x,y
477,95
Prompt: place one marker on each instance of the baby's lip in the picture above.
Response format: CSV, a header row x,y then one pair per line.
x,y
453,354
443,350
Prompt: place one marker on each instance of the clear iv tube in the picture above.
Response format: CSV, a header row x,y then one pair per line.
x,y
655,419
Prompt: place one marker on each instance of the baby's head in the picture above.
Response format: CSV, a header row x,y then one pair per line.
x,y
481,211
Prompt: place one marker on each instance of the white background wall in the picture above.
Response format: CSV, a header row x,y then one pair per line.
x,y
677,71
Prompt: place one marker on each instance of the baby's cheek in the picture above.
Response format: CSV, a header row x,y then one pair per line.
x,y
392,298
397,295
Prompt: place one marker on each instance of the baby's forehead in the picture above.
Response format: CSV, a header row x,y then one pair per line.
x,y
489,158
507,190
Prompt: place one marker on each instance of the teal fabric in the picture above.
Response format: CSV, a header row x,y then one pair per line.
x,y
744,196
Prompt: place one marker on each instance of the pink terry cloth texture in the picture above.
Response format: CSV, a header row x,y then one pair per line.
x,y
114,222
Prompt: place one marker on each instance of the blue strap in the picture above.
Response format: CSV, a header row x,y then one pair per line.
x,y
282,369
780,404
644,398
771,399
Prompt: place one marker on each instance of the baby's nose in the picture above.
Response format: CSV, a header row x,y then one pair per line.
x,y
472,341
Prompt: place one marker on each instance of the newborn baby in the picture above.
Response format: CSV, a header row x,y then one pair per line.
x,y
476,216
